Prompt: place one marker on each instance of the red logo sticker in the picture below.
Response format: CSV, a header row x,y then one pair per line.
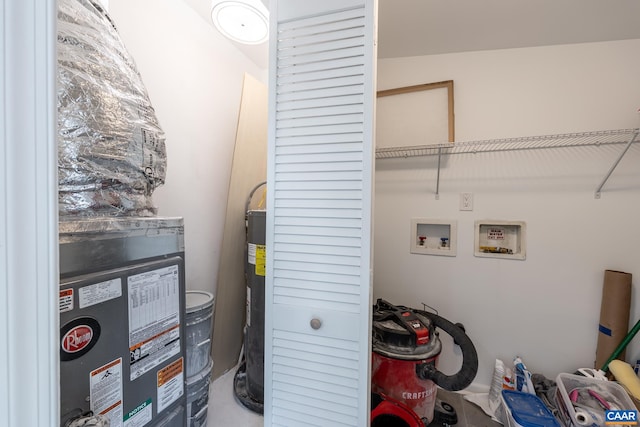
x,y
77,339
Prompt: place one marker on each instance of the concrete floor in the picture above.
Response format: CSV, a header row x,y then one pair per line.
x,y
225,411
469,415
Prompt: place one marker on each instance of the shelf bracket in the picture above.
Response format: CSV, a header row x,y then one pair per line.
x,y
615,164
438,177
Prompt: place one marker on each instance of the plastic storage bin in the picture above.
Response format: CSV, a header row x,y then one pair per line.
x,y
589,413
526,410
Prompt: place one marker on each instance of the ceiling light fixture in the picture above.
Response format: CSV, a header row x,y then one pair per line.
x,y
242,21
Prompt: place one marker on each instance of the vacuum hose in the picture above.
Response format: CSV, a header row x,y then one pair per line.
x,y
469,368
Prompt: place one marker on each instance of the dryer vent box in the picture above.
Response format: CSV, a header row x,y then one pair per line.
x,y
500,239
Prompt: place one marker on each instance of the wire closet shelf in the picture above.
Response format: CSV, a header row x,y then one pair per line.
x,y
580,139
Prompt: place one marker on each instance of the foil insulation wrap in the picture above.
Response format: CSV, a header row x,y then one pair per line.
x,y
111,148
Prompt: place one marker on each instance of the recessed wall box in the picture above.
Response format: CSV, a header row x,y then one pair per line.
x,y
433,237
500,239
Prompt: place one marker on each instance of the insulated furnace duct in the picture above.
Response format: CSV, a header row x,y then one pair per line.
x,y
111,148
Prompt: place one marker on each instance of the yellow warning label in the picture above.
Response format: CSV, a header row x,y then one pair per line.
x,y
169,372
170,384
261,256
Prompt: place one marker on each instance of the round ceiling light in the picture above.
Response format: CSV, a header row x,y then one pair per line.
x,y
241,21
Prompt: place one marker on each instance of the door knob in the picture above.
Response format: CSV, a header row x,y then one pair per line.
x,y
315,323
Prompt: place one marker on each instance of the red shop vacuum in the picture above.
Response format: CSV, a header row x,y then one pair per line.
x,y
404,372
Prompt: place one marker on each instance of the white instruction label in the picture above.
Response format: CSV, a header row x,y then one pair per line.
x,y
170,384
66,300
99,292
251,253
495,234
140,416
106,392
154,318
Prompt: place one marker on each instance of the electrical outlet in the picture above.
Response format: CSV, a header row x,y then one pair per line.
x,y
466,201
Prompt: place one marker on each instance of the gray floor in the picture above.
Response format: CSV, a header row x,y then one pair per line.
x,y
225,411
469,415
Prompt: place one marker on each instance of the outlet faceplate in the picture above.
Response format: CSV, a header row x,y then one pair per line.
x,y
466,201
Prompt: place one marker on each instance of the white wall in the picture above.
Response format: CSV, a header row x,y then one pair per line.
x,y
194,79
545,308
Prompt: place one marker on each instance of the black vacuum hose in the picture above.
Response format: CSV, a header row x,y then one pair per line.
x,y
469,368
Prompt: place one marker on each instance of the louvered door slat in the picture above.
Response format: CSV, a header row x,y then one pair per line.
x,y
318,176
345,89
319,194
340,166
310,39
301,82
324,349
314,60
330,260
311,232
321,120
339,280
300,416
319,130
310,246
317,282
336,408
327,48
328,66
320,112
322,93
356,70
317,23
313,142
291,382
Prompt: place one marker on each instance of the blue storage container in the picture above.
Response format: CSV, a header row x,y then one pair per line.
x,y
527,410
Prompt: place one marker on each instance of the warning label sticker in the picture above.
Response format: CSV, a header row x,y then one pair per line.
x,y
105,392
99,292
170,384
154,318
140,416
66,300
251,253
261,256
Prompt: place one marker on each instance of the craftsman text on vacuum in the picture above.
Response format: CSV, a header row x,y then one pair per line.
x,y
407,395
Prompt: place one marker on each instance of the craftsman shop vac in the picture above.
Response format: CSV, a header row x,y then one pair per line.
x,y
405,354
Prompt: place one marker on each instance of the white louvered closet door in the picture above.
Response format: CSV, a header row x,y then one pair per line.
x,y
320,174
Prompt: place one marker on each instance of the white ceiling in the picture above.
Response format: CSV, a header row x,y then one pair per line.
x,y
427,27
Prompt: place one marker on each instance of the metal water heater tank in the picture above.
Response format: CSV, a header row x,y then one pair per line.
x,y
249,378
255,273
